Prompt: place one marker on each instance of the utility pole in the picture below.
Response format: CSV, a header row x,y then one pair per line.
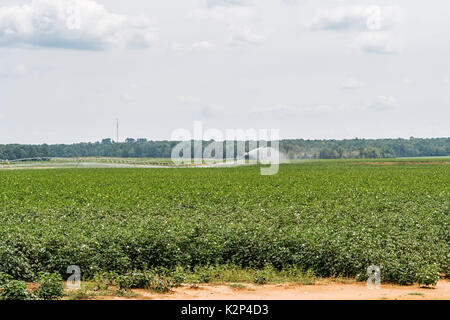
x,y
117,130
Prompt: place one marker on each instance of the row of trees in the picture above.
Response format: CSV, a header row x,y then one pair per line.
x,y
366,148
293,149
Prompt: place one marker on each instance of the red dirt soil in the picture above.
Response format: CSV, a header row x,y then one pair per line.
x,y
321,291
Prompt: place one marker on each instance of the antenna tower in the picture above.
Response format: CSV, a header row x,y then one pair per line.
x,y
117,130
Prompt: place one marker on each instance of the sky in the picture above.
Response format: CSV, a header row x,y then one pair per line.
x,y
314,69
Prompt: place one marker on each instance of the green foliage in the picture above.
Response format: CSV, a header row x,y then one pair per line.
x,y
124,282
102,280
80,294
178,276
13,260
260,277
161,284
203,274
4,278
330,217
204,277
133,280
14,290
50,286
428,275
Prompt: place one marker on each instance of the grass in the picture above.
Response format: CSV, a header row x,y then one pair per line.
x,y
232,273
415,294
81,294
237,286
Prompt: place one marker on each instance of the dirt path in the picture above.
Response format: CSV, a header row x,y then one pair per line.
x,y
321,291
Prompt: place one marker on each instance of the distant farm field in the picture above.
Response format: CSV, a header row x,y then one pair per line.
x,y
334,218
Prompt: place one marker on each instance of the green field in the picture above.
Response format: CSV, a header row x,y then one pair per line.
x,y
334,218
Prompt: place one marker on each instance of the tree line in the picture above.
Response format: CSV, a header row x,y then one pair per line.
x,y
293,149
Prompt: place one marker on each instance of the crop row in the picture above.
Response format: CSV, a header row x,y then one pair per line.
x,y
333,218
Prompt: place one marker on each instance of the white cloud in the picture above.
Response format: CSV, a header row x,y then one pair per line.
x,y
375,25
223,13
202,45
240,34
175,47
446,79
125,97
351,83
281,109
342,108
211,110
204,109
75,24
224,10
407,81
357,18
290,2
383,103
215,3
187,99
382,42
133,86
290,110
10,71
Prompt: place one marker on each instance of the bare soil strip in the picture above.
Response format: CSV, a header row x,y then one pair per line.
x,y
320,291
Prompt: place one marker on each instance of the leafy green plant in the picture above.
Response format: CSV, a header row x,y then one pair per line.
x,y
260,277
50,286
428,275
14,290
4,278
178,277
133,280
204,277
124,282
161,284
102,280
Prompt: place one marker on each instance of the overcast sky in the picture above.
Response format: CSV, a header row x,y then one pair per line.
x,y
311,68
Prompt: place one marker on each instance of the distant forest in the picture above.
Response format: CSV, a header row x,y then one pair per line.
x,y
293,149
